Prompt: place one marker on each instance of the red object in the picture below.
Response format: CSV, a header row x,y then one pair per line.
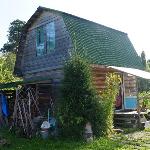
x,y
118,101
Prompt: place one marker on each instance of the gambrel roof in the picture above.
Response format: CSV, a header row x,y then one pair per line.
x,y
99,44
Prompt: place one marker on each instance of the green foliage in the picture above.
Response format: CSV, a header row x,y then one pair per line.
x,y
144,99
148,65
108,97
14,34
17,143
133,141
80,101
143,59
143,84
7,62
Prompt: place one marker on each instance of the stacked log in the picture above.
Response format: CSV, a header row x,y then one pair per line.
x,y
99,76
26,106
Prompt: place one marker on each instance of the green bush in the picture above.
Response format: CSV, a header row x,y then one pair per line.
x,y
80,101
144,99
108,97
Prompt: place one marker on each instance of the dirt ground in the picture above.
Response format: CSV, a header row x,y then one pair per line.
x,y
139,140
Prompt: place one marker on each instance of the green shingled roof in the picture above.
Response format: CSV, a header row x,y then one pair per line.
x,y
100,44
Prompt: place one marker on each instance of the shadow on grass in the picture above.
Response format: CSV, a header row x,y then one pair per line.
x,y
131,130
18,143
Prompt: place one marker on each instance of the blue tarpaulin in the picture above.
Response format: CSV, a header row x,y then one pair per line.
x,y
4,105
130,102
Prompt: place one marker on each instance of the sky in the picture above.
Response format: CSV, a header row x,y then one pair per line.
x,y
129,16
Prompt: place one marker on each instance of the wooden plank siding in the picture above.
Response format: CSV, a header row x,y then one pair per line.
x,y
56,75
50,63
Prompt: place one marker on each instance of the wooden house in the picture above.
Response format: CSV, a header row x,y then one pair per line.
x,y
51,37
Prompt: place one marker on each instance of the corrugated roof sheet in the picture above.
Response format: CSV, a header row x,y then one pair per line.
x,y
135,72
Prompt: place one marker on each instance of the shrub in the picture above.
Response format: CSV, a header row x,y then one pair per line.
x,y
144,99
108,97
80,101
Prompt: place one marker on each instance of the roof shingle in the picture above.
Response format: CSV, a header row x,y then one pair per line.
x,y
100,44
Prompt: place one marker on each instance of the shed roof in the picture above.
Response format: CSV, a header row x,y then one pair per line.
x,y
136,72
15,84
99,44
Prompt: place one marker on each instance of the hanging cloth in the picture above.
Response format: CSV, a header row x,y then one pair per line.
x,y
4,104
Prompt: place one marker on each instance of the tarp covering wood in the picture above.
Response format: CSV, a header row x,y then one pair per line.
x,y
132,71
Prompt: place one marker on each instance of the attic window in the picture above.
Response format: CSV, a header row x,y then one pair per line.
x,y
40,41
45,39
50,37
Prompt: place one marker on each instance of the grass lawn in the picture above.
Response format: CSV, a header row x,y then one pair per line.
x,y
136,140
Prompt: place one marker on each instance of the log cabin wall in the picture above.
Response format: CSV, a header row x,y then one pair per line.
x,y
48,64
99,73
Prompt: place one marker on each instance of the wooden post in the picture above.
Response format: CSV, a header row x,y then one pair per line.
x,y
21,116
15,109
25,114
138,105
34,101
1,115
123,91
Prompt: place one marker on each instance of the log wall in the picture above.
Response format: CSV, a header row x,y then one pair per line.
x,y
99,73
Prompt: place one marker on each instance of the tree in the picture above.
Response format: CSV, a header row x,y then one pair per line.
x,y
143,59
143,83
7,62
148,65
80,101
14,34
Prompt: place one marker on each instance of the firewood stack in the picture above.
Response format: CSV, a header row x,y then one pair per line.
x,y
25,108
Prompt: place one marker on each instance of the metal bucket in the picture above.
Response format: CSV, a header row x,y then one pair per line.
x,y
44,134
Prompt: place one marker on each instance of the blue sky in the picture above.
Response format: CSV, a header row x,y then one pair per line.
x,y
130,16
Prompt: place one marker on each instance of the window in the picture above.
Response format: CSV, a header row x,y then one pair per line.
x,y
50,37
40,41
45,42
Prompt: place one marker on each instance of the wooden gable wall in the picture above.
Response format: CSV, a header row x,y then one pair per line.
x,y
48,64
